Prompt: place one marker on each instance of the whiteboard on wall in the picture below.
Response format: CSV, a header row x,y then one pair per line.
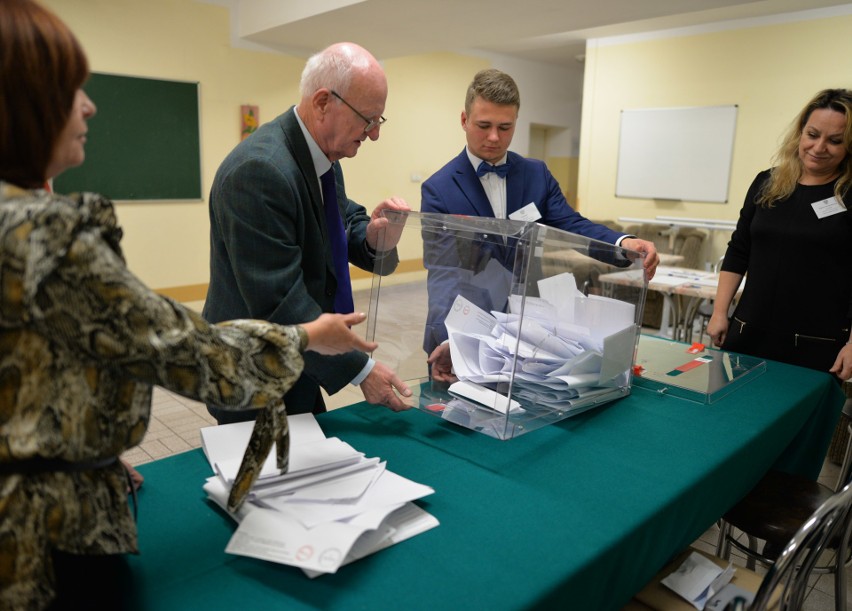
x,y
676,153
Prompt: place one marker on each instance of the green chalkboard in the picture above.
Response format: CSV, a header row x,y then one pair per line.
x,y
143,143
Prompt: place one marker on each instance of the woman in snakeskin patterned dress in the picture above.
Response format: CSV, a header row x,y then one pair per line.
x,y
82,341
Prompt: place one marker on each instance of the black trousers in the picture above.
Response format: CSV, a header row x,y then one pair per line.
x,y
93,583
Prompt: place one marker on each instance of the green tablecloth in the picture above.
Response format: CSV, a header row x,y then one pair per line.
x,y
577,515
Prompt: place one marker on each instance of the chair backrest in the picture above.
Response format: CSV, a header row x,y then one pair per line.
x,y
689,244
831,523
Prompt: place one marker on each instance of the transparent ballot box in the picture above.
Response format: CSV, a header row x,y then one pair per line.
x,y
512,310
704,376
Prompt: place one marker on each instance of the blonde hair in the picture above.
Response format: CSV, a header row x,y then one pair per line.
x,y
787,167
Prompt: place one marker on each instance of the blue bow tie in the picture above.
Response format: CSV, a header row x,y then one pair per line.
x,y
501,170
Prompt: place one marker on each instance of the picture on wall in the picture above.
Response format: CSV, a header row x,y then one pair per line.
x,y
249,120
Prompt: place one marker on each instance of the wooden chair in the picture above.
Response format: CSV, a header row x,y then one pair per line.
x,y
786,582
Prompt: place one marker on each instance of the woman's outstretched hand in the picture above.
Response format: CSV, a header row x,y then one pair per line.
x,y
330,334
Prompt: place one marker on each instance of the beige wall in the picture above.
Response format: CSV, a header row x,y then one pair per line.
x,y
423,131
769,71
166,243
564,170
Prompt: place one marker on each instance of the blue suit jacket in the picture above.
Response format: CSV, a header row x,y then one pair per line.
x,y
270,256
456,189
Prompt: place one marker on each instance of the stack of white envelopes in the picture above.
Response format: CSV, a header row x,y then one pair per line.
x,y
334,505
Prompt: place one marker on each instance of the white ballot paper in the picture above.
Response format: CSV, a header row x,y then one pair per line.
x,y
482,395
564,353
697,579
333,506
269,535
228,443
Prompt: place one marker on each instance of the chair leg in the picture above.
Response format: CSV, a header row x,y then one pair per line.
x,y
845,469
752,545
703,330
723,548
840,585
840,571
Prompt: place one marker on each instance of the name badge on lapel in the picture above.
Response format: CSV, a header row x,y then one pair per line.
x,y
528,213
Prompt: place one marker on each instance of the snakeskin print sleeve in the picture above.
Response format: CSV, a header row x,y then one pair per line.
x,y
89,301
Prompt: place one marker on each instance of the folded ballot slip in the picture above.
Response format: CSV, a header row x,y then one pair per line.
x,y
698,579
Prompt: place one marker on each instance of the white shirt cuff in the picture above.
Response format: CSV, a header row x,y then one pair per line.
x,y
364,373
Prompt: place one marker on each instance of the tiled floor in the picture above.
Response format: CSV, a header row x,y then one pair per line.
x,y
176,420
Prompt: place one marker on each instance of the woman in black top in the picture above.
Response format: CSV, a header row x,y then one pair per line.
x,y
793,238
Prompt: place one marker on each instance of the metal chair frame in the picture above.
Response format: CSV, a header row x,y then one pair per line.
x,y
704,310
798,560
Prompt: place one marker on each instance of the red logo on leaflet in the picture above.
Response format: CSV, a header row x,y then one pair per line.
x,y
466,310
304,553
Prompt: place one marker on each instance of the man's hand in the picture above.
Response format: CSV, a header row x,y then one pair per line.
x,y
379,386
652,260
441,364
378,223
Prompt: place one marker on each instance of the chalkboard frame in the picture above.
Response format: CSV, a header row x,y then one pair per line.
x,y
680,153
144,143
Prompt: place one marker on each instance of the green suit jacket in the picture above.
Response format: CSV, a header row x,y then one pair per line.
x,y
270,256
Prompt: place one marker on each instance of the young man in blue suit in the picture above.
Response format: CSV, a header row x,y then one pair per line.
x,y
273,252
486,179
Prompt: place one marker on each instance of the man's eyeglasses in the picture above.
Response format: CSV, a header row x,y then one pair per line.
x,y
371,123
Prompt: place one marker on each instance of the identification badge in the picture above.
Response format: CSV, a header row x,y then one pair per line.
x,y
828,207
528,213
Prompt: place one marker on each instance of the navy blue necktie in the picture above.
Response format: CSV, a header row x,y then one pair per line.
x,y
343,303
485,167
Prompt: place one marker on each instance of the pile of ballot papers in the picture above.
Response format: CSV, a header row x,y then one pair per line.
x,y
559,349
333,506
704,584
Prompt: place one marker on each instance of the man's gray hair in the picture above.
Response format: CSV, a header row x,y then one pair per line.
x,y
332,68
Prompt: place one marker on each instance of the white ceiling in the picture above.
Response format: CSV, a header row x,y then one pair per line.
x,y
552,31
